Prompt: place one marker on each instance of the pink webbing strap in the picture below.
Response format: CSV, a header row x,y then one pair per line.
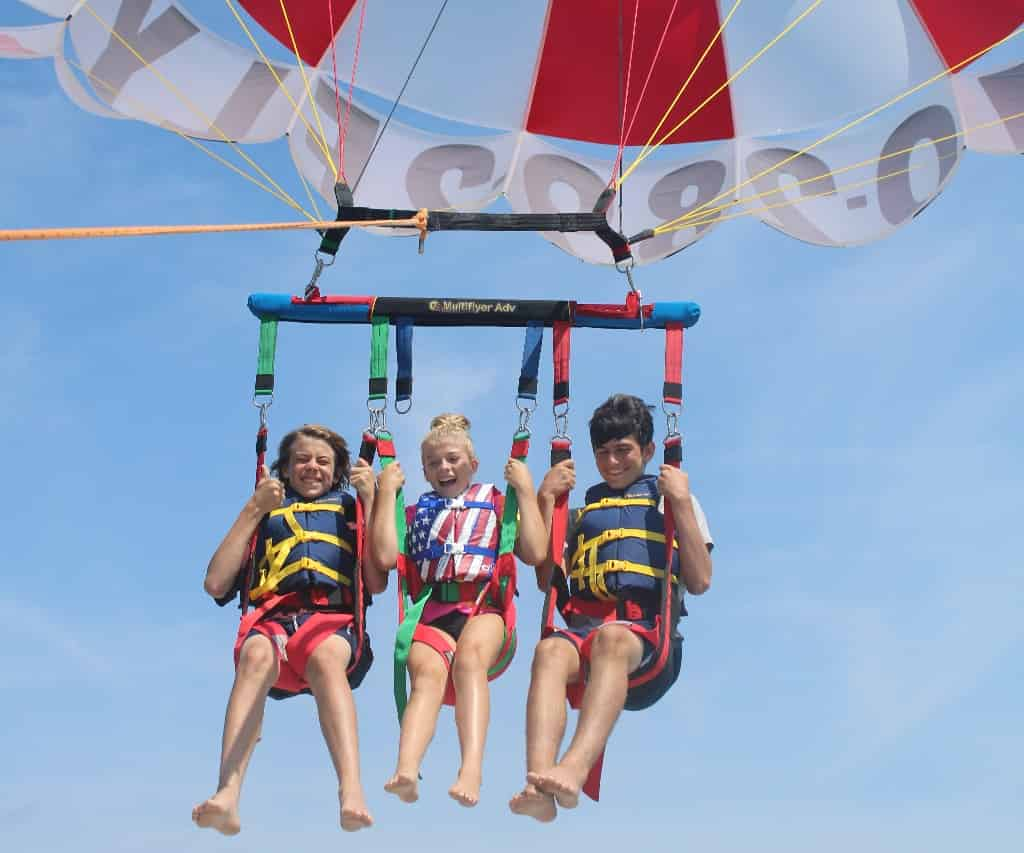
x,y
560,350
673,388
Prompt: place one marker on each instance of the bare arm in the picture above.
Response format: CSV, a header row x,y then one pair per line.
x,y
364,482
382,542
558,481
694,559
227,559
532,541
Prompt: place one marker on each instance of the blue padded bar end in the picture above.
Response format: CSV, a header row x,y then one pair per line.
x,y
279,306
687,313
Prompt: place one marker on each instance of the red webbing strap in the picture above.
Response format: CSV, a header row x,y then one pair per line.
x,y
561,449
250,552
673,389
367,451
560,336
673,396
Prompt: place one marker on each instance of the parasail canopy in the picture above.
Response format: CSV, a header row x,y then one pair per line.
x,y
833,122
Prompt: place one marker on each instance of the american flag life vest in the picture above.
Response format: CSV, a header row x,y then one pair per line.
x,y
456,539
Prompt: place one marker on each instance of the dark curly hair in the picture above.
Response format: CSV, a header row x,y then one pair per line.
x,y
621,416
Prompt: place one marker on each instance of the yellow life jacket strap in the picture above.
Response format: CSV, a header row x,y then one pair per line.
x,y
272,580
272,569
604,503
291,509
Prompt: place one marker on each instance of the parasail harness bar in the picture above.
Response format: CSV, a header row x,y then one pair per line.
x,y
463,311
595,222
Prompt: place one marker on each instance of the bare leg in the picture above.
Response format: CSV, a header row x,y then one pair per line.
x,y
616,652
476,652
556,664
255,675
429,676
336,708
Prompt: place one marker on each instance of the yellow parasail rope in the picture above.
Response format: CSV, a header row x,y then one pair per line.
x,y
704,212
189,104
280,83
852,124
640,158
309,92
647,145
790,202
194,142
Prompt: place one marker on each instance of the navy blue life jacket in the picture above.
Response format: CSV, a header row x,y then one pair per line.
x,y
305,545
617,550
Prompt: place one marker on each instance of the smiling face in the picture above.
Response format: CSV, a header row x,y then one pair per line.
x,y
310,468
449,465
621,461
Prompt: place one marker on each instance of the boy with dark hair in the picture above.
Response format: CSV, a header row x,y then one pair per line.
x,y
614,565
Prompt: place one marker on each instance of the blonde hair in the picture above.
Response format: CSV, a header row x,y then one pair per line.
x,y
449,425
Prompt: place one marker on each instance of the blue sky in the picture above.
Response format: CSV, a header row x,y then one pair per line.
x,y
851,680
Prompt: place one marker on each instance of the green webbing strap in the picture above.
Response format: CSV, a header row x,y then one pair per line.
x,y
265,360
510,517
403,641
379,359
411,608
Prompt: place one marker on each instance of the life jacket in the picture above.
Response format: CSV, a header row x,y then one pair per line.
x,y
456,539
451,556
618,549
307,545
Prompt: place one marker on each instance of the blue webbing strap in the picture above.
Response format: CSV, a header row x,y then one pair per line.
x,y
531,360
403,350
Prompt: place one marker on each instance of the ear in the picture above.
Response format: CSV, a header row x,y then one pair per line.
x,y
474,463
648,452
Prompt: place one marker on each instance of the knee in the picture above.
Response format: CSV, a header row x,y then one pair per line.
x,y
427,670
328,658
552,653
469,660
614,641
257,659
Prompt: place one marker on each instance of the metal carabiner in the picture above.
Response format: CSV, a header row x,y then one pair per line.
x,y
263,405
525,412
378,415
312,289
671,419
561,419
626,268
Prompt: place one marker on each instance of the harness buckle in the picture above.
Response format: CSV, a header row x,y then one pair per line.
x,y
455,503
454,548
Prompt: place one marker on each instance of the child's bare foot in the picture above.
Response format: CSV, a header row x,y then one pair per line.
x,y
220,812
354,814
403,786
561,783
466,790
534,803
